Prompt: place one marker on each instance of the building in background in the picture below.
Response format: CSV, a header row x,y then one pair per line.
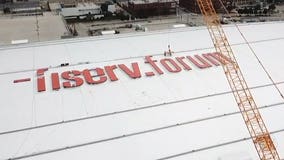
x,y
20,1
64,3
5,1
146,8
22,8
192,5
83,11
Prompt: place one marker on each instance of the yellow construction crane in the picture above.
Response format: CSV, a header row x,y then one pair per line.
x,y
248,108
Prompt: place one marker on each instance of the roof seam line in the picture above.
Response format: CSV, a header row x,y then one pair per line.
x,y
135,109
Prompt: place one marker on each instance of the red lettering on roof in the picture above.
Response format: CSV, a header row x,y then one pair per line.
x,y
181,61
201,64
55,81
134,73
22,80
90,78
110,73
153,64
74,81
173,67
99,75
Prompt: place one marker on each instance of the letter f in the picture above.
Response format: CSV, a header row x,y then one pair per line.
x,y
41,79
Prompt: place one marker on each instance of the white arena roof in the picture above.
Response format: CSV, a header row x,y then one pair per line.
x,y
175,108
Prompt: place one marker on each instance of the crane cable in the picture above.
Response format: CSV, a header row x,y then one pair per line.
x,y
252,50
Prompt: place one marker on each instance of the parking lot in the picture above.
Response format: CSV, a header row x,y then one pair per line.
x,y
32,28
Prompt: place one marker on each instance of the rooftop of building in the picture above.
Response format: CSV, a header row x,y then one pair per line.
x,y
189,114
32,28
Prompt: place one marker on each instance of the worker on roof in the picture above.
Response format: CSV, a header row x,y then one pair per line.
x,y
169,52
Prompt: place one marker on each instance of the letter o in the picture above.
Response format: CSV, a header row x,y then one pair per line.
x,y
173,67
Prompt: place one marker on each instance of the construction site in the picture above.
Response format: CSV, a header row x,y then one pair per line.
x,y
160,80
78,18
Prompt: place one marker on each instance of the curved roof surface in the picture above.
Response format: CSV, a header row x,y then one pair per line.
x,y
130,111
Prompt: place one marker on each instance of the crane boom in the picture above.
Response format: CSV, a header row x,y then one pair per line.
x,y
248,108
